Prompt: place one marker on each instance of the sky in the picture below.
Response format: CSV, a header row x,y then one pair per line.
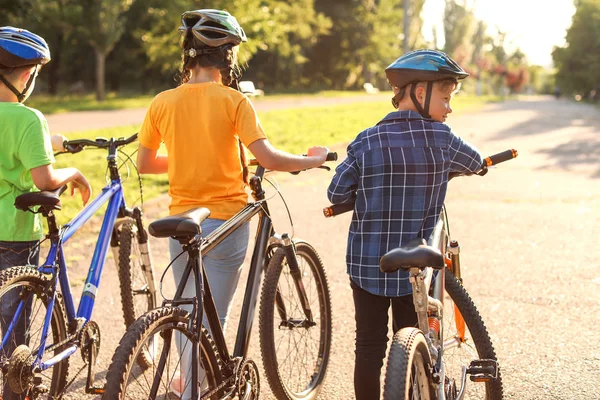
x,y
535,26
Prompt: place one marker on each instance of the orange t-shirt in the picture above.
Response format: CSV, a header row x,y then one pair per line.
x,y
200,125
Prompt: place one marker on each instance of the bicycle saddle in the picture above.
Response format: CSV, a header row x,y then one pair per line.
x,y
48,200
183,224
415,253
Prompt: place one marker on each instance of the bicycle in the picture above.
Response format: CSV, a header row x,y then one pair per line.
x,y
430,361
35,358
294,318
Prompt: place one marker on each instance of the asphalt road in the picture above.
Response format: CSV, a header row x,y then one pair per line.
x,y
529,236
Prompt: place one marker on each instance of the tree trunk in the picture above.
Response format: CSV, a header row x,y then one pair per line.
x,y
100,74
54,66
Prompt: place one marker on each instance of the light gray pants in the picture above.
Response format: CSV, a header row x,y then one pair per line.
x,y
223,266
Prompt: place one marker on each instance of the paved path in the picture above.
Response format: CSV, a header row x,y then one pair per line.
x,y
84,120
529,235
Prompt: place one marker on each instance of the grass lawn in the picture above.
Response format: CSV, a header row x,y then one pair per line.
x,y
291,130
59,104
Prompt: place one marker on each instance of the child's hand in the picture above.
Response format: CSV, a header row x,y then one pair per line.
x,y
83,186
318,152
57,142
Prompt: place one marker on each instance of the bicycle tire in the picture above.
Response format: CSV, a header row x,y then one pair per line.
x,y
123,365
479,335
29,279
133,280
306,383
408,367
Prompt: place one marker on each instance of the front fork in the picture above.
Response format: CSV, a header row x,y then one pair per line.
x,y
292,261
144,246
430,316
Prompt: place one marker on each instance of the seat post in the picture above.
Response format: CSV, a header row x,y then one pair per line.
x,y
52,226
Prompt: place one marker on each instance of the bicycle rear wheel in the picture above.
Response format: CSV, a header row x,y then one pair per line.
x,y
136,280
160,333
408,368
295,354
460,349
27,285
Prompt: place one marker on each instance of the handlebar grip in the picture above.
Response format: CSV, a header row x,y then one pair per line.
x,y
500,157
337,209
332,156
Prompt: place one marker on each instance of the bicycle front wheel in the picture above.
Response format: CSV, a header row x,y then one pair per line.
x,y
295,350
136,278
164,335
25,287
408,368
464,342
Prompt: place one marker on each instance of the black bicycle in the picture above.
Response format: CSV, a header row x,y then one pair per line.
x,y
294,319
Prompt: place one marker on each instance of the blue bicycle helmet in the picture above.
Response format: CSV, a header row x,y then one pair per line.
x,y
20,48
422,66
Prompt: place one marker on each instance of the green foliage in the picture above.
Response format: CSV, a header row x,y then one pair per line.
x,y
459,24
294,45
578,63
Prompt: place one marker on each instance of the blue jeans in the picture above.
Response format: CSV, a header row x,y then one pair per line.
x,y
14,254
223,266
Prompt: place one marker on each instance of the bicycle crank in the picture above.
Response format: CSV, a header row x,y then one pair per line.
x,y
248,381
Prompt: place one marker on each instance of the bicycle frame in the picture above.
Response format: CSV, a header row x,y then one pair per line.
x,y
426,305
265,236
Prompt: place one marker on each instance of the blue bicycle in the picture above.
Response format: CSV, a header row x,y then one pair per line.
x,y
46,329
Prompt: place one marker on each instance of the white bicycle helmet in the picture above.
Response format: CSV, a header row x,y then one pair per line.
x,y
213,27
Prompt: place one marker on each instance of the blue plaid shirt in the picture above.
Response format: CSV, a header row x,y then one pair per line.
x,y
398,171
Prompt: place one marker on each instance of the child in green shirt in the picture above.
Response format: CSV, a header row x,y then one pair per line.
x,y
26,158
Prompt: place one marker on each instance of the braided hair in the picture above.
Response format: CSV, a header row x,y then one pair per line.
x,y
224,57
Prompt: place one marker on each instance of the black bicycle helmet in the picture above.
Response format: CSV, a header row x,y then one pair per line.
x,y
213,27
20,48
422,66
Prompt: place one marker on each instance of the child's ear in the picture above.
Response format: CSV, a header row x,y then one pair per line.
x,y
420,93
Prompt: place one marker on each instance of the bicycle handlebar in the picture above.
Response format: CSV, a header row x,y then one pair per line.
x,y
76,145
500,157
337,209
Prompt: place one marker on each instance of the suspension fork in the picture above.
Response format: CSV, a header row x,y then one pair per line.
x,y
143,243
290,254
454,250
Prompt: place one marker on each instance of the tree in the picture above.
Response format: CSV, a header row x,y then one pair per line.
x,y
459,22
578,62
103,27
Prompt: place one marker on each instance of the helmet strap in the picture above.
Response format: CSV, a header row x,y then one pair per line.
x,y
20,95
396,100
423,111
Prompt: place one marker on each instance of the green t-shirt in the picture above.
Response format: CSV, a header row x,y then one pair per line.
x,y
24,144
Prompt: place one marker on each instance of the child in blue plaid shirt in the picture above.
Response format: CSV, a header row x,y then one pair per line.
x,y
397,174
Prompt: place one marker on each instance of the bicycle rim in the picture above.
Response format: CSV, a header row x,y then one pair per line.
x,y
27,283
295,356
161,333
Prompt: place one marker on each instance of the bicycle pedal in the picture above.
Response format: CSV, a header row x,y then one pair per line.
x,y
485,370
96,390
